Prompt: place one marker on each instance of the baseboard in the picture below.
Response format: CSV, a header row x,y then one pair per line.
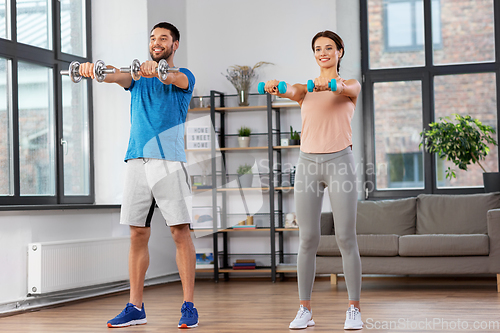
x,y
35,303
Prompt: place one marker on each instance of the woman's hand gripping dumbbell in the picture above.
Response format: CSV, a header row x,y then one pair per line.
x,y
273,87
332,85
97,70
149,69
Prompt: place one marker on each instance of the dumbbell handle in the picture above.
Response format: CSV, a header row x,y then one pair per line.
x,y
163,69
332,85
282,87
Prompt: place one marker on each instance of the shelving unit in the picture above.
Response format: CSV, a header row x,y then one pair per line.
x,y
220,180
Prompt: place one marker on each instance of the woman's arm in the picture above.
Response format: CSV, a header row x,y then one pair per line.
x,y
296,93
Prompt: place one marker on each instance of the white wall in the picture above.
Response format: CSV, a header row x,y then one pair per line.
x,y
222,33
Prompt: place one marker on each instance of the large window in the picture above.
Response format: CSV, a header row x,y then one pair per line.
x,y
424,60
45,119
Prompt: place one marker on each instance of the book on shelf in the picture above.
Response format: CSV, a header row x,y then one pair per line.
x,y
240,261
243,267
244,264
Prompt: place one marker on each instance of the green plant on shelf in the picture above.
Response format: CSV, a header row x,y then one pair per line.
x,y
244,131
293,134
244,169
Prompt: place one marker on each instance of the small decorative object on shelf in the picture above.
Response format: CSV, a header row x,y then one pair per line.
x,y
292,176
291,221
284,142
294,137
204,258
245,176
242,77
244,136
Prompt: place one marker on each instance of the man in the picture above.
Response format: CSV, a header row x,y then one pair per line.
x,y
155,171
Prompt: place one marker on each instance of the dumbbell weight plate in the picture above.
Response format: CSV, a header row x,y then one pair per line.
x,y
134,69
98,70
163,70
74,72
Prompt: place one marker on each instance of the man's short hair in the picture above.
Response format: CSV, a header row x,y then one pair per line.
x,y
174,32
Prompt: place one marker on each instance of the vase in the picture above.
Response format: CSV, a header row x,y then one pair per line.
x,y
491,182
243,97
245,180
244,141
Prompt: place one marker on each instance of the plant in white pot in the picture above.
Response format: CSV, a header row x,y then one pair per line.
x,y
244,136
245,175
463,143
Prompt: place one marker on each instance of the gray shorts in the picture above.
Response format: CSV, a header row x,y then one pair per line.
x,y
150,182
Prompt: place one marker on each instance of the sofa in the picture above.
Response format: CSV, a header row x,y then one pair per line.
x,y
429,234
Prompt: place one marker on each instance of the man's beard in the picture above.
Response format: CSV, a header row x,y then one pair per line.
x,y
165,55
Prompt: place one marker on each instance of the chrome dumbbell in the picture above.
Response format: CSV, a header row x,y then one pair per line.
x,y
163,69
100,71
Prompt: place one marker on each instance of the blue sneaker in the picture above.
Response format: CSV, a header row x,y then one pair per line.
x,y
189,318
129,316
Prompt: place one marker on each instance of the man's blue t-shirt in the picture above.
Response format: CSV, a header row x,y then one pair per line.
x,y
157,114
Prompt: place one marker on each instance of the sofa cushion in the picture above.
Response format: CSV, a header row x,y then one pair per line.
x,y
454,214
443,245
369,245
386,217
327,224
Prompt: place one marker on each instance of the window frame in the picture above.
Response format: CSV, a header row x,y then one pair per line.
x,y
426,75
414,47
14,51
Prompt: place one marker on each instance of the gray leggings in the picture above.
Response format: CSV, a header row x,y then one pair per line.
x,y
336,172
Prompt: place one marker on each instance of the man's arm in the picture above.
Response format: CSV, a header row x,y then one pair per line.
x,y
122,79
177,79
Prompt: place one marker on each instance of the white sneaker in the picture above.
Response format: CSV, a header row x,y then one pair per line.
x,y
353,319
303,319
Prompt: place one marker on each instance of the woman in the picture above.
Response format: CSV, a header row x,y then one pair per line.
x,y
326,161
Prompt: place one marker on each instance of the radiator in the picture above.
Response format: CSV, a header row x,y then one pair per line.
x,y
56,266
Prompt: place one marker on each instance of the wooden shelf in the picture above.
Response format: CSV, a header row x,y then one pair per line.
x,y
285,104
229,189
282,188
241,148
286,269
258,270
226,149
242,108
286,147
243,229
198,150
199,110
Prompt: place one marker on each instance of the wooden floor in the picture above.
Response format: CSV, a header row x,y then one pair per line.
x,y
258,305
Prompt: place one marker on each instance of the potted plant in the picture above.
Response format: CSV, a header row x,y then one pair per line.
x,y
245,176
294,137
244,136
464,142
242,77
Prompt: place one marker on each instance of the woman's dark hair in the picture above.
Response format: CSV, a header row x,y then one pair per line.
x,y
174,32
333,36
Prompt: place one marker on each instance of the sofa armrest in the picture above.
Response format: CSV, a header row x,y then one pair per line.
x,y
327,223
493,223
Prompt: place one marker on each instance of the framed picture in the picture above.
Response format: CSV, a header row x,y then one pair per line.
x,y
202,217
204,258
284,142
